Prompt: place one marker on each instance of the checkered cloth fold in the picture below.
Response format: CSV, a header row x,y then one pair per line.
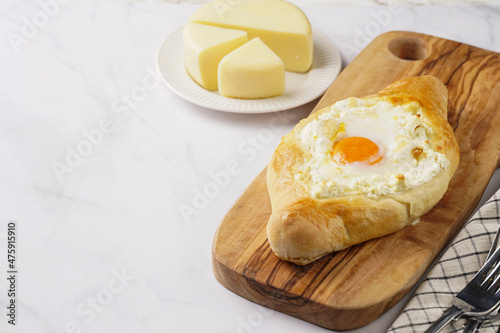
x,y
450,275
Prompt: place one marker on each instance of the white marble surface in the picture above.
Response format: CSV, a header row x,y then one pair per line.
x,y
102,243
353,2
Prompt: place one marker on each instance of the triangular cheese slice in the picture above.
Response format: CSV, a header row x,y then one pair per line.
x,y
204,48
251,71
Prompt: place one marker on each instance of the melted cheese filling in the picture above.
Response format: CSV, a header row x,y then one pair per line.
x,y
402,159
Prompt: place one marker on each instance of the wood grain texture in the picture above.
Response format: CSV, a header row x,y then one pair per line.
x,y
350,288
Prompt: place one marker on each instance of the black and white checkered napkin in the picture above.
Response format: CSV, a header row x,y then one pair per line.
x,y
450,275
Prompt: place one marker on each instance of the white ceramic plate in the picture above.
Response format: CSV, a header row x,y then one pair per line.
x,y
299,88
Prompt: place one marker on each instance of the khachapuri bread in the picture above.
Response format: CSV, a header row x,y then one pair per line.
x,y
359,169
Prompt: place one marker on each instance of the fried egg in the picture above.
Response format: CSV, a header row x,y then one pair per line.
x,y
367,147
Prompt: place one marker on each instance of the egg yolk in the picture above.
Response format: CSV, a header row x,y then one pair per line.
x,y
356,149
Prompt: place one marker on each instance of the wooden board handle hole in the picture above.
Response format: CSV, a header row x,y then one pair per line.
x,y
408,48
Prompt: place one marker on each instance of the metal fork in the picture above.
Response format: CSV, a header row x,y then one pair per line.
x,y
479,297
474,324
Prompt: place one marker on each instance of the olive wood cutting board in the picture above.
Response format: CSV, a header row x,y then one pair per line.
x,y
350,288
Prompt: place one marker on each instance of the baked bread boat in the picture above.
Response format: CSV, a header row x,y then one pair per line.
x,y
360,169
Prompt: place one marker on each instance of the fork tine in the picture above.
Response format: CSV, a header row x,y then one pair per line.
x,y
489,267
495,286
494,244
493,277
491,274
495,255
492,281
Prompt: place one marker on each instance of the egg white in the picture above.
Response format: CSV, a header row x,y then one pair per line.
x,y
396,132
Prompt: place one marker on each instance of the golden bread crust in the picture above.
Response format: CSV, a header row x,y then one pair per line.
x,y
302,229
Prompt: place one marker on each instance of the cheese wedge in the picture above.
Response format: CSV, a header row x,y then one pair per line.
x,y
251,71
280,24
204,47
